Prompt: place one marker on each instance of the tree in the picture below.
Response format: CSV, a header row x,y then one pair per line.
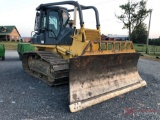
x,y
139,34
154,41
133,14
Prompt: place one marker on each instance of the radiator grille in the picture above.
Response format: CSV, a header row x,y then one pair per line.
x,y
92,34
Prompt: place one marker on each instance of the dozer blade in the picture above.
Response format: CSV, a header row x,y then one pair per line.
x,y
96,78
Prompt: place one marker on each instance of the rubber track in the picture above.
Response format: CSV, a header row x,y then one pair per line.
x,y
60,66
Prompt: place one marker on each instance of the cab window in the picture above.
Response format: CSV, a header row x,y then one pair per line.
x,y
65,16
54,24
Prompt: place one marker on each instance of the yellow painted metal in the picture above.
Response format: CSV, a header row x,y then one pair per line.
x,y
41,45
114,70
92,34
77,46
98,70
111,47
90,46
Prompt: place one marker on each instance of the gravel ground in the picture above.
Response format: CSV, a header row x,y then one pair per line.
x,y
25,98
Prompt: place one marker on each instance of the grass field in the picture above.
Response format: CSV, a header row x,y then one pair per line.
x,y
10,45
142,48
154,51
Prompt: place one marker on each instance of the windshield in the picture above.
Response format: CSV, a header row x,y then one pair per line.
x,y
54,24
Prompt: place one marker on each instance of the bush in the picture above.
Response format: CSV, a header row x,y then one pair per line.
x,y
12,40
140,45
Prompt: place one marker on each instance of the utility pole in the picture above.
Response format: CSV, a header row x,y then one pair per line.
x,y
148,32
129,20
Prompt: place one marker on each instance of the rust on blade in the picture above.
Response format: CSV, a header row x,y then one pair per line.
x,y
95,75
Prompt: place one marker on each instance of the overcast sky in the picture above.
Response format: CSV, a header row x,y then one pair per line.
x,y
21,13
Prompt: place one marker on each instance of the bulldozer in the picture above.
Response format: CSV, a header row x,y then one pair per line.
x,y
97,70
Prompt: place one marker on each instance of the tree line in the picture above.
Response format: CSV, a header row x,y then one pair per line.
x,y
133,15
155,41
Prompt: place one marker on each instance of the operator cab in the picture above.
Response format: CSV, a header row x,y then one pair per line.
x,y
51,26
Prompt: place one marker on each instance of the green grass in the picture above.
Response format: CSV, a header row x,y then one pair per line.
x,y
142,48
10,45
153,51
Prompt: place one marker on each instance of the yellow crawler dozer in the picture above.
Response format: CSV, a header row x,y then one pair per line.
x,y
96,70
